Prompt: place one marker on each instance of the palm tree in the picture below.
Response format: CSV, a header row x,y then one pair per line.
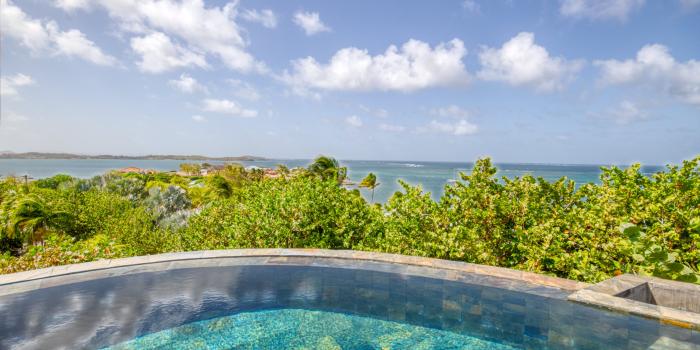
x,y
32,217
283,170
370,182
328,168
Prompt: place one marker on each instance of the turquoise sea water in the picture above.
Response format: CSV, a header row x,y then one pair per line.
x,y
432,176
297,329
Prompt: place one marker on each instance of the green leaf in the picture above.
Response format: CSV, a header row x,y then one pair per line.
x,y
638,257
692,278
676,267
632,231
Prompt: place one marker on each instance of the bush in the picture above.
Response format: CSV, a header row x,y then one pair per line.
x,y
526,223
294,213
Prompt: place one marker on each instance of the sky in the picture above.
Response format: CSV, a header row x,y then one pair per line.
x,y
570,81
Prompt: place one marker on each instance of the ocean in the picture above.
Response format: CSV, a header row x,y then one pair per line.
x,y
432,176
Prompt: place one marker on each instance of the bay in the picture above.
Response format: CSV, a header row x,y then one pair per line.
x,y
432,176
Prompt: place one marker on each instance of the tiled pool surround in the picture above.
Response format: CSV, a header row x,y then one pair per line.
x,y
102,303
669,302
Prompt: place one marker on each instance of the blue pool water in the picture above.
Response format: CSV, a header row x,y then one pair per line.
x,y
305,329
306,303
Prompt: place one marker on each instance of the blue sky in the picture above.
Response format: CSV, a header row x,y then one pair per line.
x,y
574,81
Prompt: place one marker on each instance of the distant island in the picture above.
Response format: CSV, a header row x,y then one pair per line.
x,y
42,155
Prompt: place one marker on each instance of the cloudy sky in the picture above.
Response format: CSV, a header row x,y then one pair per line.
x,y
571,81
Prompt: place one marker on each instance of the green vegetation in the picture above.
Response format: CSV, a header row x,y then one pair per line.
x,y
629,223
370,182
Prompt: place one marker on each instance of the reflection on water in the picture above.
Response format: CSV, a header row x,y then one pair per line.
x,y
305,329
111,310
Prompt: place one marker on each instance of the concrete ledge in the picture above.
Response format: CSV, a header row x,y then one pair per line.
x,y
277,256
674,303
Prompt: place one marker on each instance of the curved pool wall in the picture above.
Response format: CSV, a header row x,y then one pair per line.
x,y
98,304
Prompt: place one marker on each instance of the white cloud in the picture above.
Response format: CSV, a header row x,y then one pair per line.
x,y
72,5
450,111
521,62
190,25
413,66
599,9
9,85
159,54
187,84
459,128
310,22
243,90
354,121
392,127
41,37
471,6
266,18
73,43
199,119
627,112
656,68
16,24
228,107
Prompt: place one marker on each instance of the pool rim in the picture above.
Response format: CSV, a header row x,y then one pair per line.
x,y
491,276
7,280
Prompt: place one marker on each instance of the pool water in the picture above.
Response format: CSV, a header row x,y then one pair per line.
x,y
258,303
305,329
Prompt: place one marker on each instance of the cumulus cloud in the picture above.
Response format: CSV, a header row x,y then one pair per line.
x,y
9,85
354,121
228,107
391,127
599,9
159,54
191,26
40,37
310,22
243,90
187,84
459,128
656,68
198,118
73,43
450,111
412,67
521,62
72,5
266,17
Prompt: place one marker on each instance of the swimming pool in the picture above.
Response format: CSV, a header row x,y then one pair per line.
x,y
332,300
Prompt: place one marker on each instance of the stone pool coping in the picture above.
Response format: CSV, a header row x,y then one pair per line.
x,y
274,256
603,295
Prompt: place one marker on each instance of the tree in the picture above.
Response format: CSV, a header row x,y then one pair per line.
x,y
328,168
370,182
191,169
283,170
218,187
32,218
